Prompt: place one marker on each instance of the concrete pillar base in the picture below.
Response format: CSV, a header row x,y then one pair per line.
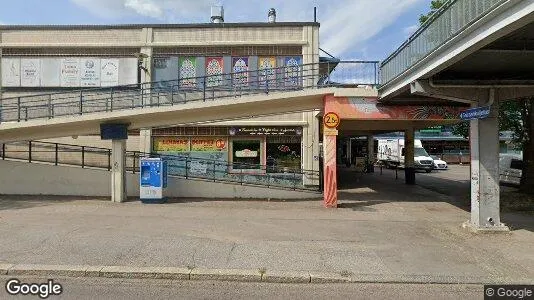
x,y
501,228
409,175
118,171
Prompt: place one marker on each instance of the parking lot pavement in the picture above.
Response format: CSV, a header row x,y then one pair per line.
x,y
394,232
383,229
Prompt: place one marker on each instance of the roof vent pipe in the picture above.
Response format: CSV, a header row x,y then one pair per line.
x,y
217,14
272,15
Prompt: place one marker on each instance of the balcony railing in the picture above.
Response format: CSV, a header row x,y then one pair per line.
x,y
186,90
181,166
451,19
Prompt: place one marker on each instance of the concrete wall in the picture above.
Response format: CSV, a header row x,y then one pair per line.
x,y
19,178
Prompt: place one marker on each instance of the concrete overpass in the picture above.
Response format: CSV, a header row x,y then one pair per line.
x,y
477,52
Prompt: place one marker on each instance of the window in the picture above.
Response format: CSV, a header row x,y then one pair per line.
x,y
282,157
246,154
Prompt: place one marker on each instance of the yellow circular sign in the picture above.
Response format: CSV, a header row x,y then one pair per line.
x,y
331,120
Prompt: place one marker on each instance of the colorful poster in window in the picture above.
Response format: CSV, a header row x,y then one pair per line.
x,y
109,72
70,72
188,72
214,71
209,144
30,72
267,71
240,69
10,72
171,144
90,72
292,70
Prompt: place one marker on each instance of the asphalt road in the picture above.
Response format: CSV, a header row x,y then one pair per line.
x,y
102,288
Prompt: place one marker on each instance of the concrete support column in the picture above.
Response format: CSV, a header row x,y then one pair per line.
x,y
485,190
118,171
310,148
409,151
349,151
330,171
371,153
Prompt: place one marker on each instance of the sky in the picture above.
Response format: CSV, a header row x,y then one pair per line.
x,y
350,29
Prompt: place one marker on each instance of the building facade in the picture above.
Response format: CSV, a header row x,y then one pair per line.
x,y
48,59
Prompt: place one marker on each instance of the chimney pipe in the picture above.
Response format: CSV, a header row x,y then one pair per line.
x,y
272,15
217,14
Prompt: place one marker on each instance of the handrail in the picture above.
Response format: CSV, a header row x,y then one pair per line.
x,y
185,90
179,165
453,17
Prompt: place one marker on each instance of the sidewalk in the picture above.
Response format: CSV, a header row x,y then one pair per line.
x,y
393,234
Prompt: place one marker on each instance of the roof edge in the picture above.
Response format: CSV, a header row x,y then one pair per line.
x,y
134,26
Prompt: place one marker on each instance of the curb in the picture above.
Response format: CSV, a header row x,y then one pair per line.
x,y
239,275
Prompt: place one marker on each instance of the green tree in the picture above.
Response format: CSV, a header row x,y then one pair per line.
x,y
435,5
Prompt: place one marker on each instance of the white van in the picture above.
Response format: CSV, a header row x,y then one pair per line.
x,y
510,168
391,154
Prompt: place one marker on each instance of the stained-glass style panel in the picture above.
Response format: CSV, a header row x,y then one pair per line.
x,y
292,70
240,77
214,71
188,72
267,71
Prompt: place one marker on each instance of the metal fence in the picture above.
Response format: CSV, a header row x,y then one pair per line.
x,y
452,18
178,166
185,90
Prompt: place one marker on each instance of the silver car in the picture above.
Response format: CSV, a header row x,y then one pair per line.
x,y
439,164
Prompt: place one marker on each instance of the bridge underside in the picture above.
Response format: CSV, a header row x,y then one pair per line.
x,y
366,116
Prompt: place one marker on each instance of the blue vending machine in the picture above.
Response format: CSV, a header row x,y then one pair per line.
x,y
153,180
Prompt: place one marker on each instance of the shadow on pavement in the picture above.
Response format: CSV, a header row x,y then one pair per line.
x,y
375,188
361,191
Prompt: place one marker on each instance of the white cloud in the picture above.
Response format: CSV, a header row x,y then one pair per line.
x,y
408,31
354,22
145,7
345,25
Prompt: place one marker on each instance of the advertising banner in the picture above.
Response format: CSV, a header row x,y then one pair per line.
x,y
128,69
10,72
30,72
70,72
214,71
50,72
267,131
209,144
188,72
267,71
90,72
292,71
171,144
240,69
109,72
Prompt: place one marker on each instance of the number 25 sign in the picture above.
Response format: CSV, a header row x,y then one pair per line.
x,y
331,120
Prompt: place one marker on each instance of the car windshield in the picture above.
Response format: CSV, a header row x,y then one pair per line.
x,y
420,152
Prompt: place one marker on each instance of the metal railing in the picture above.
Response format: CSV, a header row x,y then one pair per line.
x,y
185,90
452,18
178,166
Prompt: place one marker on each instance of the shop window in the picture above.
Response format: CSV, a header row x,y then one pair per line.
x,y
283,157
246,154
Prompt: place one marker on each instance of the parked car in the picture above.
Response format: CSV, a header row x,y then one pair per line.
x,y
439,164
510,168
